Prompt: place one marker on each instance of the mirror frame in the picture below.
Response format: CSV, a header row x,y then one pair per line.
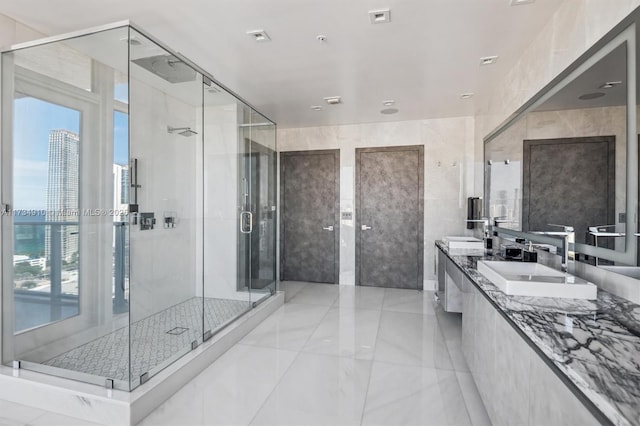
x,y
625,31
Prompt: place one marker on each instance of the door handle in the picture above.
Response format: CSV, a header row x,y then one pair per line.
x,y
246,222
328,228
365,228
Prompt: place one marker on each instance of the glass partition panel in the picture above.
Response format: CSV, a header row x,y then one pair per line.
x,y
166,136
58,230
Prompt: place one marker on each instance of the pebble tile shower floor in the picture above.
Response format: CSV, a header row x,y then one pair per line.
x,y
154,339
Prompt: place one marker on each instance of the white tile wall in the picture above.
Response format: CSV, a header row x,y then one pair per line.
x,y
162,260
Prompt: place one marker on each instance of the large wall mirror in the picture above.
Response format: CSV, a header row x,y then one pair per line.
x,y
569,156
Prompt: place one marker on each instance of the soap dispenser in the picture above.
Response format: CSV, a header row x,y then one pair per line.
x,y
529,254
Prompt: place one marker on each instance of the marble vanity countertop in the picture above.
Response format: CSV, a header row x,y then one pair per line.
x,y
594,343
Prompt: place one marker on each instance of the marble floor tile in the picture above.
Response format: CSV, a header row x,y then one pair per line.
x,y
5,421
360,297
12,413
407,395
346,332
473,402
52,419
318,390
230,391
317,294
288,328
185,407
290,288
454,347
411,301
329,363
411,339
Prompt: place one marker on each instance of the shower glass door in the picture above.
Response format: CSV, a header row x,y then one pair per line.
x,y
257,249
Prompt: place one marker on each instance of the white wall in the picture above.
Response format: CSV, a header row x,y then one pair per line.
x,y
448,178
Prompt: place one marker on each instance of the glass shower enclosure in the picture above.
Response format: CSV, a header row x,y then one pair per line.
x,y
139,206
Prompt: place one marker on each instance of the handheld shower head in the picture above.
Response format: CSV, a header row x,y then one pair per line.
x,y
184,131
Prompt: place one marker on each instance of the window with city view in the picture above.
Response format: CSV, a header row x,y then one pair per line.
x,y
45,211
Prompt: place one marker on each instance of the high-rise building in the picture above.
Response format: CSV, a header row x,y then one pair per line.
x,y
62,191
120,190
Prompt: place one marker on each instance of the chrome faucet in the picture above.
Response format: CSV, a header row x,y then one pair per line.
x,y
568,237
485,225
498,220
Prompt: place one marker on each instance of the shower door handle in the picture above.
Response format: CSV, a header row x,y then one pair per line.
x,y
246,222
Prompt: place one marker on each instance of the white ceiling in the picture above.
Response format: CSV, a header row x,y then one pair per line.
x,y
424,59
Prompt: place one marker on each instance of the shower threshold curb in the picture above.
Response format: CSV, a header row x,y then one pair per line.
x,y
100,405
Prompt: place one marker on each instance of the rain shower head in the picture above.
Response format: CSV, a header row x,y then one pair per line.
x,y
184,131
168,67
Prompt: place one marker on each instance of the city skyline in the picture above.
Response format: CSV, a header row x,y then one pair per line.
x,y
31,146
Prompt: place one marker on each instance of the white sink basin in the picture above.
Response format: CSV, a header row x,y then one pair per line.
x,y
463,243
534,279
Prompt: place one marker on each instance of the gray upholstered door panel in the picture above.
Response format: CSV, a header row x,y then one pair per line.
x,y
389,201
309,191
569,181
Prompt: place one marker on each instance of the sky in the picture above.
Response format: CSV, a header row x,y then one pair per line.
x,y
33,121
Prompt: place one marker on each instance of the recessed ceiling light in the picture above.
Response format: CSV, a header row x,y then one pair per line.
x,y
609,84
466,95
388,103
521,2
321,38
259,35
316,107
589,96
488,60
333,100
382,16
388,111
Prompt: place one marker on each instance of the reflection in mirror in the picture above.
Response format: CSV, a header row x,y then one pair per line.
x,y
564,161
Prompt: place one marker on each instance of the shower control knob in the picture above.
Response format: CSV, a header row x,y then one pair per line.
x,y
365,228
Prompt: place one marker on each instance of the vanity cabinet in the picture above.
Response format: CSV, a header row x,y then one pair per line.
x,y
517,386
450,282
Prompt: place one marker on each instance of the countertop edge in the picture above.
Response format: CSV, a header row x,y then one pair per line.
x,y
563,375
